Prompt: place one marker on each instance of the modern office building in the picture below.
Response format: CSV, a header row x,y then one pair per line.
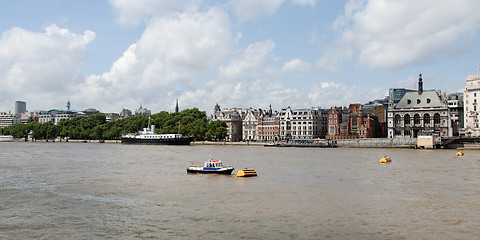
x,y
20,107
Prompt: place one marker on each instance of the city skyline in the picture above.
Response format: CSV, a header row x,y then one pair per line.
x,y
301,53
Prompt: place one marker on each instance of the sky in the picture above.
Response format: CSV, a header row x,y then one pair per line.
x,y
116,54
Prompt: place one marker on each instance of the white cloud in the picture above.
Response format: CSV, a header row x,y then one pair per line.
x,y
330,94
252,61
296,65
165,62
251,9
134,12
304,2
395,34
43,66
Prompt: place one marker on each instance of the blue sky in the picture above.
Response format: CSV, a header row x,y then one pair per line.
x,y
119,54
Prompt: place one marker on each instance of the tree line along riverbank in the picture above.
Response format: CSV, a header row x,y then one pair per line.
x,y
190,122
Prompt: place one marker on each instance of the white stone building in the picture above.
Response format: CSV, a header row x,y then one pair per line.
x,y
303,123
249,124
55,115
418,112
233,118
471,97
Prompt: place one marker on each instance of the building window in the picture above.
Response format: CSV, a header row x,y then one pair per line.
x,y
436,118
428,100
426,119
397,120
409,101
416,119
406,119
418,101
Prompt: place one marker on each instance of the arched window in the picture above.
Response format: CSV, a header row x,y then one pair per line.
x,y
397,120
406,120
426,119
416,119
436,118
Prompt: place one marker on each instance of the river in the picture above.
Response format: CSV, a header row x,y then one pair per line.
x,y
114,191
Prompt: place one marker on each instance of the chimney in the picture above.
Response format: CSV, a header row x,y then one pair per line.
x,y
420,84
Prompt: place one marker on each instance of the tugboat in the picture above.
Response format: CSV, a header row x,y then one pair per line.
x,y
148,136
211,166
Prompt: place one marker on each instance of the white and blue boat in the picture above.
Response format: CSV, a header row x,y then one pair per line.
x,y
211,166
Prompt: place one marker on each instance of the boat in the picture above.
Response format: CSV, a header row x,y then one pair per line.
x,y
385,160
148,136
247,173
211,166
272,144
6,138
459,154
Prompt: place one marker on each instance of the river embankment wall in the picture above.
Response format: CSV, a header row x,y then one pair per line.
x,y
353,143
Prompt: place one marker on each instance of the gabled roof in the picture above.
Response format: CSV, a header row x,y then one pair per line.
x,y
427,99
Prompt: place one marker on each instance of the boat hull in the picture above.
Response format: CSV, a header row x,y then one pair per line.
x,y
171,141
6,138
224,172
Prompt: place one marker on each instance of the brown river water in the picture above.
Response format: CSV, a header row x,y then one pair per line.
x,y
114,191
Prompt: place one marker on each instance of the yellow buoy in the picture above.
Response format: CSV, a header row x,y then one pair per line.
x,y
385,160
459,153
246,173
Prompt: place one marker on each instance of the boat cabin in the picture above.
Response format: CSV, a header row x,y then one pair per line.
x,y
213,164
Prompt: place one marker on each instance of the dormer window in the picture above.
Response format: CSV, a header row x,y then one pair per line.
x,y
418,101
409,101
428,100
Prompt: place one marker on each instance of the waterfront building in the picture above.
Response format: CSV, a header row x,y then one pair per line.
x,y
110,117
20,107
6,119
455,106
55,115
249,124
268,126
378,108
419,111
471,95
90,111
233,118
352,123
303,123
337,118
125,113
143,111
396,94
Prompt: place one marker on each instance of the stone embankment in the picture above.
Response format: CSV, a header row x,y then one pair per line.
x,y
358,143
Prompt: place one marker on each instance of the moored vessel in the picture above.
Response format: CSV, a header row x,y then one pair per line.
x,y
148,136
211,166
6,138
